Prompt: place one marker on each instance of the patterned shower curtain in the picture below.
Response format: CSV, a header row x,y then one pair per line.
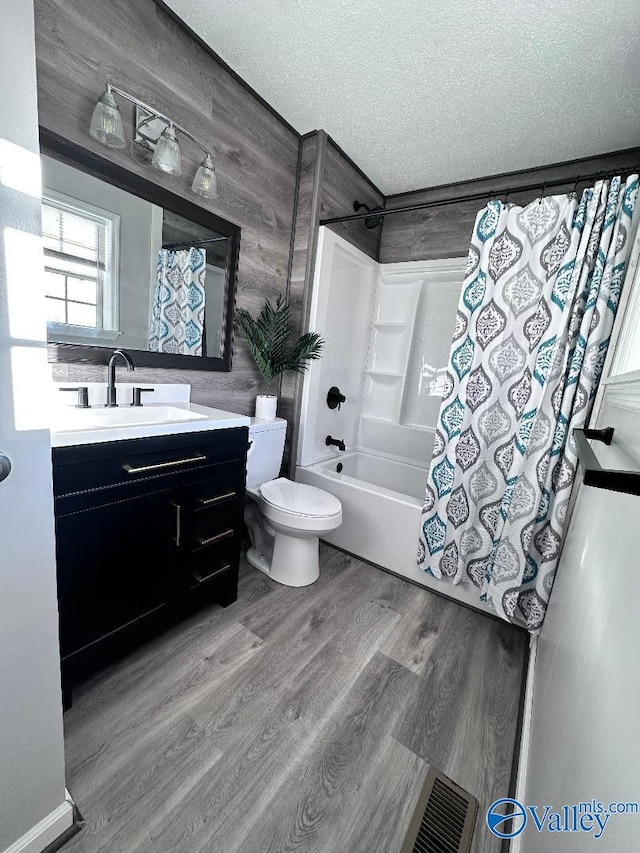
x,y
177,313
537,306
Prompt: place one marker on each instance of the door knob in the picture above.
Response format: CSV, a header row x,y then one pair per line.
x,y
5,467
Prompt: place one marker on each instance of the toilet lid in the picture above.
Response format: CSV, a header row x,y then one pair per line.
x,y
300,499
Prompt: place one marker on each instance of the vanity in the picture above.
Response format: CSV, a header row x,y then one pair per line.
x,y
149,513
148,489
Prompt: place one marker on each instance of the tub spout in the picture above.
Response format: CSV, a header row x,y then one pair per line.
x,y
336,442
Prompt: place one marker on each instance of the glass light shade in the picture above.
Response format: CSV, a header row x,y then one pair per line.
x,y
205,182
166,156
106,122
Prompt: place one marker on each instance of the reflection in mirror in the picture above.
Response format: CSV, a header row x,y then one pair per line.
x,y
121,271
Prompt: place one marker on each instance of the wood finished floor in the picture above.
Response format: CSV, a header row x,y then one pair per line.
x,y
295,720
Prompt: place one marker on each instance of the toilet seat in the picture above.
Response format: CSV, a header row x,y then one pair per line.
x,y
300,500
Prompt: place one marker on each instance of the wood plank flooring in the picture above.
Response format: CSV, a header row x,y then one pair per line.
x,y
299,720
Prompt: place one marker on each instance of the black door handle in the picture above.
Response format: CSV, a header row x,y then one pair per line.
x,y
5,467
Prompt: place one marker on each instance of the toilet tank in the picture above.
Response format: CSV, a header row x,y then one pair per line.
x,y
266,450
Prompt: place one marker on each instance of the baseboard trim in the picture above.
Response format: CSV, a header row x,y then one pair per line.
x,y
525,736
46,832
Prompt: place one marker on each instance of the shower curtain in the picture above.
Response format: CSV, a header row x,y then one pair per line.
x,y
536,310
177,312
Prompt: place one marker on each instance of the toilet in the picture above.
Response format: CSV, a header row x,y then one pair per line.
x,y
285,519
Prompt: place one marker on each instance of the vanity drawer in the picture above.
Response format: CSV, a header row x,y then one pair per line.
x,y
175,459
206,532
213,511
215,493
210,565
211,575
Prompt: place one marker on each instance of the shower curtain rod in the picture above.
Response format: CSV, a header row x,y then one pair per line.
x,y
479,196
194,244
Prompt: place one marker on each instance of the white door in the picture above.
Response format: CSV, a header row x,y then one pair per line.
x,y
32,794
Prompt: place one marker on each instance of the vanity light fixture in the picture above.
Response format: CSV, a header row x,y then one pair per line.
x,y
106,122
166,156
155,131
205,182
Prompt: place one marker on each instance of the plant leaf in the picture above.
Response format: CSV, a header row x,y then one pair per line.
x,y
267,338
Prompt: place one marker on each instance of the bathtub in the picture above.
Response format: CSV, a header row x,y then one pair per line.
x,y
381,505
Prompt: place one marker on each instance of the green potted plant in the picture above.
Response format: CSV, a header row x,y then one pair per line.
x,y
267,337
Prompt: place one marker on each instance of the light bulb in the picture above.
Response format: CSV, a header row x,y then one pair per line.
x,y
106,122
205,182
166,156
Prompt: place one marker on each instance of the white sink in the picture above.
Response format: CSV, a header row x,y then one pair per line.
x,y
72,426
73,419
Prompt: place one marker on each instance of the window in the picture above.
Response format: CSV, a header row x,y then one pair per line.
x,y
81,262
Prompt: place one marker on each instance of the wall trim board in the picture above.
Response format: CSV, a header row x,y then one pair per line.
x,y
356,168
624,396
628,157
294,222
203,44
46,832
314,218
520,791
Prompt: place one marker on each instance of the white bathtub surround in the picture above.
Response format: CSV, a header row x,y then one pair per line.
x,y
266,407
388,330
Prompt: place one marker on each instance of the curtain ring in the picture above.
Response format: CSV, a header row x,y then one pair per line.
x,y
506,196
544,187
574,191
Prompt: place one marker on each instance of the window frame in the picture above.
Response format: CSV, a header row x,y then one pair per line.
x,y
107,291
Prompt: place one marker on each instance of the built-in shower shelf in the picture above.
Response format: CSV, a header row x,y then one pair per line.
x,y
385,373
392,325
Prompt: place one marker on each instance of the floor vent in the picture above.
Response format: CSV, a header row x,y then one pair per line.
x,y
444,818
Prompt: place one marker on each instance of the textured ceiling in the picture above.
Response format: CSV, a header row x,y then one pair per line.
x,y
421,93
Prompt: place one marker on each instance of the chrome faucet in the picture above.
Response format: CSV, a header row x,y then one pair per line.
x,y
111,375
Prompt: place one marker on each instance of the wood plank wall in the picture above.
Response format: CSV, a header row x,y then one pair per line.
x,y
140,48
445,232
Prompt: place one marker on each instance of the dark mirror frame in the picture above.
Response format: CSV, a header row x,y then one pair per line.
x,y
75,155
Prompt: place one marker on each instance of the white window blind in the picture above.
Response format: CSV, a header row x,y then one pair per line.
x,y
80,264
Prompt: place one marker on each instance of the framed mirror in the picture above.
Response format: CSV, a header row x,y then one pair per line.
x,y
131,265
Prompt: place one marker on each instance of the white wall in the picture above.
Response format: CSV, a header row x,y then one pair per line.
x,y
31,742
586,699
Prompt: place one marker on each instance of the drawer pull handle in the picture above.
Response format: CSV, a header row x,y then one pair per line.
x,y
223,568
217,538
218,498
132,469
178,509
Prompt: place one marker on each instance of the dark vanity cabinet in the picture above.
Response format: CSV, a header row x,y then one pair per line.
x,y
147,531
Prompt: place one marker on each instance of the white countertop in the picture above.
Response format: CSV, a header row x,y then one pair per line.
x,y
71,426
